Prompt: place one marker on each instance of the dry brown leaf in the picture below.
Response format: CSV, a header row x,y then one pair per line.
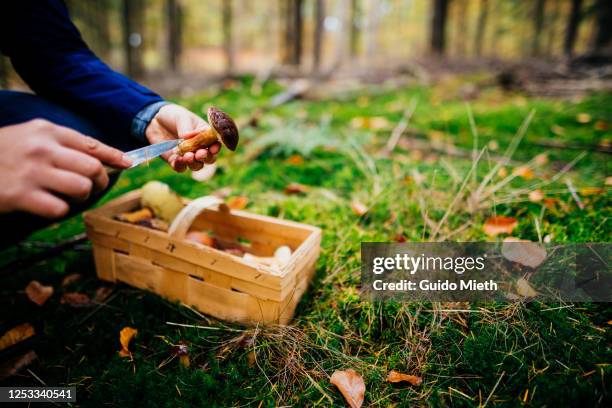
x,y
295,160
13,366
396,377
102,293
38,293
524,172
125,337
296,188
351,385
541,159
75,299
238,202
16,335
601,125
589,191
536,196
608,181
583,117
524,289
523,252
358,208
70,279
499,224
502,172
251,358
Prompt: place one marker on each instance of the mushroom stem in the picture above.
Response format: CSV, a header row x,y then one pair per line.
x,y
205,138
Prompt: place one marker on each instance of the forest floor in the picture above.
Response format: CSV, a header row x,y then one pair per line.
x,y
480,354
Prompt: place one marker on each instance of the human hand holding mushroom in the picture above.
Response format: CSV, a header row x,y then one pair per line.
x,y
202,143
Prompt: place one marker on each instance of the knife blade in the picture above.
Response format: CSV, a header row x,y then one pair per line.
x,y
147,153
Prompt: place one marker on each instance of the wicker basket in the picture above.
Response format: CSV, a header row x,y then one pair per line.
x,y
214,282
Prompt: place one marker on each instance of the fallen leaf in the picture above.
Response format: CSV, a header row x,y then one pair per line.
x,y
238,202
75,299
541,159
295,160
588,191
536,196
524,172
557,130
493,145
502,172
601,125
296,188
351,385
70,279
523,252
358,208
608,181
125,337
499,224
38,293
251,358
13,366
102,293
396,377
524,289
583,117
16,335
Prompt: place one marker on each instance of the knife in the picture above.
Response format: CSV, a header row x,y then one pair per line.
x,y
147,153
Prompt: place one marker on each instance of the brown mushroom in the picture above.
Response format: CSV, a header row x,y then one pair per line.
x,y
222,128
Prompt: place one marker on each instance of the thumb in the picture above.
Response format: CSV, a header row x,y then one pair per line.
x,y
189,125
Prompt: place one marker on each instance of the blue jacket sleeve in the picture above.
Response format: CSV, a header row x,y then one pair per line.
x,y
47,51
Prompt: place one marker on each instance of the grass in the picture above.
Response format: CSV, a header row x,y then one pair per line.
x,y
468,354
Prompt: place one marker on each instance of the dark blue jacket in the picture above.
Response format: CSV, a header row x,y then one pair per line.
x,y
47,51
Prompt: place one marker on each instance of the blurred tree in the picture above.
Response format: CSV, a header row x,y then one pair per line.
x,y
318,34
370,32
438,26
461,10
174,33
481,26
538,24
552,27
228,40
292,38
132,12
602,41
355,27
571,30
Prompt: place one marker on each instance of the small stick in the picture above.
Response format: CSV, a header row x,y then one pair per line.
x,y
574,194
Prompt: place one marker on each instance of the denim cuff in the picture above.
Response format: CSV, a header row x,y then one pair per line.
x,y
143,118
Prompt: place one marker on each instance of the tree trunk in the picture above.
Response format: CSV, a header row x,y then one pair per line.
x,y
571,31
297,34
461,36
132,36
538,25
602,41
228,39
318,34
370,33
174,31
438,26
552,27
355,24
481,26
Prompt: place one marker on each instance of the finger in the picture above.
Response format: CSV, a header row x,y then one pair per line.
x,y
196,165
201,154
188,122
68,183
177,164
43,203
188,158
214,148
83,164
86,144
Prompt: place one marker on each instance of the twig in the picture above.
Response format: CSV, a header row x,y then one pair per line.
x,y
573,146
401,127
494,388
572,191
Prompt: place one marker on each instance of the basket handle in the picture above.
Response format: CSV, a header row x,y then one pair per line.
x,y
181,224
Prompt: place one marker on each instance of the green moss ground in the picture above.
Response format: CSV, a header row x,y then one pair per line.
x,y
535,354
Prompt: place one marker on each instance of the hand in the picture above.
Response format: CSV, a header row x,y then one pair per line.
x,y
172,122
43,165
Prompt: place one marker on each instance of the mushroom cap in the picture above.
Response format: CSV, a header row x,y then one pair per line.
x,y
225,127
